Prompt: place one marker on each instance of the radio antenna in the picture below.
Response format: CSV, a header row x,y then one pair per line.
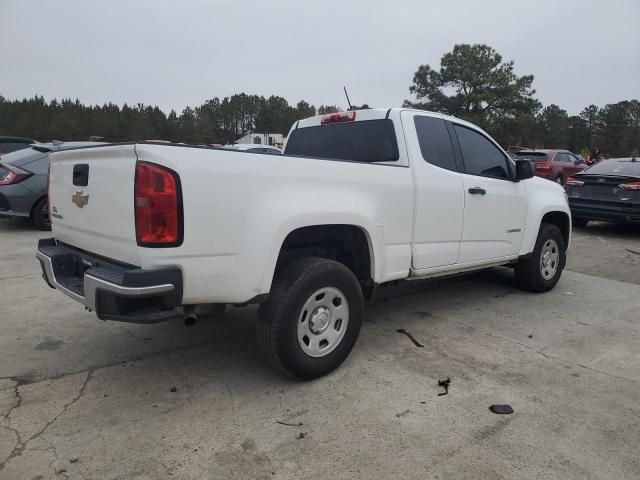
x,y
347,95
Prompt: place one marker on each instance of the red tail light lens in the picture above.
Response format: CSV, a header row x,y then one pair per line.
x,y
10,175
631,186
339,117
573,182
158,206
542,166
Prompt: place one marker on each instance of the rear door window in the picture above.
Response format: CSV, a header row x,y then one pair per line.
x,y
363,141
480,155
561,157
435,142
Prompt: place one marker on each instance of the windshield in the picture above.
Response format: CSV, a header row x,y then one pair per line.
x,y
364,141
533,156
622,167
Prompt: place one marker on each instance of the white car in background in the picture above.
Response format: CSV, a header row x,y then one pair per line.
x,y
254,148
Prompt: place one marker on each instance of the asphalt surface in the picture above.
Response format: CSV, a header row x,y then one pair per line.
x,y
85,399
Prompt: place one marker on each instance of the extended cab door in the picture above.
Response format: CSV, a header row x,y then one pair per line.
x,y
495,205
438,191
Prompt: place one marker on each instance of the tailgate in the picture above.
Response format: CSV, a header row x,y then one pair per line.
x,y
91,197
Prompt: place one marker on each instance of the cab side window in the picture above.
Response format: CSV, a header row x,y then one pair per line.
x,y
480,155
435,142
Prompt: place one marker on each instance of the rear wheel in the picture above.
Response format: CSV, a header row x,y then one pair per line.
x,y
541,271
312,318
560,180
40,215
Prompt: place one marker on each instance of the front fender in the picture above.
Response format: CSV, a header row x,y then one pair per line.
x,y
543,197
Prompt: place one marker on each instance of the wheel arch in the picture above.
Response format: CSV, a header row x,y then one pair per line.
x,y
348,243
560,220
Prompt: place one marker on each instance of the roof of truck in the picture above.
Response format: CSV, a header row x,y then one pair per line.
x,y
381,113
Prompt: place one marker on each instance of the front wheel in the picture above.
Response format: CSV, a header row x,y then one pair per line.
x,y
541,271
312,318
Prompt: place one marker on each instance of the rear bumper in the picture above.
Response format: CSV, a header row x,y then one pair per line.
x,y
114,291
598,211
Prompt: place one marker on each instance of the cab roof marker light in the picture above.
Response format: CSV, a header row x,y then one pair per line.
x,y
338,117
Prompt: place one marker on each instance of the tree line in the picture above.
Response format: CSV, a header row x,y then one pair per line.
x,y
215,121
472,82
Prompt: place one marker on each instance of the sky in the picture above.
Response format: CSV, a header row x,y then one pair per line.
x,y
176,53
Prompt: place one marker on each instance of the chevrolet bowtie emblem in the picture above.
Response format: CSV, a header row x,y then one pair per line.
x,y
79,199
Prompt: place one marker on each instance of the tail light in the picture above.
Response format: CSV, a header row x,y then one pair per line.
x,y
573,182
158,206
542,166
630,186
10,175
339,117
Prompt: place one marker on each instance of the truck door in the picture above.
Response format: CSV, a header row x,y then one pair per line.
x,y
438,191
495,205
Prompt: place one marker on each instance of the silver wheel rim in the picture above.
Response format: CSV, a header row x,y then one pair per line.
x,y
549,259
323,322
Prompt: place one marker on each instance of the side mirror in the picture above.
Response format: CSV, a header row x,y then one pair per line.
x,y
576,162
524,170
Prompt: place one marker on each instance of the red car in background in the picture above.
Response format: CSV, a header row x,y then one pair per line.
x,y
554,165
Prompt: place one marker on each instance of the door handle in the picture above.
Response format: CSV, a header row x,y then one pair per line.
x,y
477,191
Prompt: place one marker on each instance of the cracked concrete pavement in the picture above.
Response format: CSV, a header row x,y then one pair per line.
x,y
85,399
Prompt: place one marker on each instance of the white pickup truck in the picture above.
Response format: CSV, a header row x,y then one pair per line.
x,y
147,232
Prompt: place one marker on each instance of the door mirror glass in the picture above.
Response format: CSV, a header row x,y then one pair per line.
x,y
524,169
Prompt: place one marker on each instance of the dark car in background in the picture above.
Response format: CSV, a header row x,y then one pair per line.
x,y
13,144
554,165
23,182
608,191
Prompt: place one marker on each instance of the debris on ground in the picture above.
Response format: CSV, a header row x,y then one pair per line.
x,y
444,384
173,389
403,414
501,409
411,337
73,460
529,336
299,424
300,436
632,251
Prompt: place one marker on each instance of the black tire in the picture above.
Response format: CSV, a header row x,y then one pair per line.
x,y
529,271
40,215
277,328
559,180
579,222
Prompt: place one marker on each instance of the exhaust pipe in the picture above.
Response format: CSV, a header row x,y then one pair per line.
x,y
190,317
